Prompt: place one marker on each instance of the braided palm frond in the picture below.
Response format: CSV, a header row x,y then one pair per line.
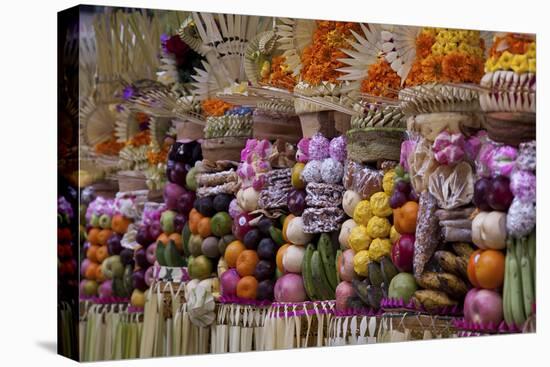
x,y
97,122
430,98
258,50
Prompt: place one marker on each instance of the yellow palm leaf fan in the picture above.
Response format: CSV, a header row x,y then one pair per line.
x,y
293,36
399,46
127,124
97,122
258,54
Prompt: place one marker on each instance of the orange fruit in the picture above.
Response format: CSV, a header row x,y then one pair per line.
x,y
103,236
194,218
404,218
204,228
99,277
279,257
91,271
247,287
163,238
102,253
91,253
232,252
489,269
176,237
471,271
92,236
285,225
120,223
246,262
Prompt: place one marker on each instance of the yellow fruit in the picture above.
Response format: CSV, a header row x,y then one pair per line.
x,y
380,204
387,182
379,247
394,235
359,239
362,213
378,227
505,60
361,263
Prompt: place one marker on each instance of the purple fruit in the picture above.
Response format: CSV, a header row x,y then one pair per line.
x,y
155,230
481,193
179,222
403,186
252,239
500,196
267,249
143,237
186,201
172,193
413,196
397,199
264,270
127,256
138,279
114,245
140,256
169,167
178,174
265,290
241,225
296,202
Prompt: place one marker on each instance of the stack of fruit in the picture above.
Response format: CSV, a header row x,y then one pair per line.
x,y
166,235
105,230
253,260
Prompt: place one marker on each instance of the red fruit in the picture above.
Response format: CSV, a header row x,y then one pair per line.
x,y
402,253
241,225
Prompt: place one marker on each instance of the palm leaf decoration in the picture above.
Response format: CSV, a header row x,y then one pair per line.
x,y
399,46
294,35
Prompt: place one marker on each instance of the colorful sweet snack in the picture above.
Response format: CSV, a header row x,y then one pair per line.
x,y
322,220
510,79
527,158
332,171
362,179
323,195
276,189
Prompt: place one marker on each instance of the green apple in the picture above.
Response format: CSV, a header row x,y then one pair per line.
x,y
105,221
191,180
94,220
167,221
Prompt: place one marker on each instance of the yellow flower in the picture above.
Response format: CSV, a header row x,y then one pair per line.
x,y
437,49
532,47
443,37
519,64
532,65
450,47
531,54
362,212
505,60
266,68
466,48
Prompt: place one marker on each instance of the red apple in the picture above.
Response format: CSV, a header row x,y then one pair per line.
x,y
483,306
241,225
402,253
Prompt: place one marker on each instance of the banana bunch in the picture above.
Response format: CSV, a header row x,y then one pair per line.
x,y
228,126
519,279
319,270
372,289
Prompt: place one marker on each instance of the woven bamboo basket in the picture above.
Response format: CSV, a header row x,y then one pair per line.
x,y
227,148
131,181
511,128
188,131
375,144
318,122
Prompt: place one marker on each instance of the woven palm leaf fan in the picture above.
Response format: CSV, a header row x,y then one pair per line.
x,y
164,103
258,55
87,54
293,36
127,49
97,122
399,46
365,51
222,40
